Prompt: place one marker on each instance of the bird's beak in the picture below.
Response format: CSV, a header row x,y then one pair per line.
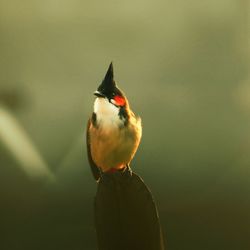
x,y
99,94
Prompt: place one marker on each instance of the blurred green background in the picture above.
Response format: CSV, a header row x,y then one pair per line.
x,y
184,66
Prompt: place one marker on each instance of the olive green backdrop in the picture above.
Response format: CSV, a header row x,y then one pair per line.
x,y
184,66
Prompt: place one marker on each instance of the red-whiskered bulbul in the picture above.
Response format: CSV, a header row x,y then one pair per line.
x,y
126,216
113,131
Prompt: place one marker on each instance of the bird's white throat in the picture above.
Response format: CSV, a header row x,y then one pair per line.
x,y
107,114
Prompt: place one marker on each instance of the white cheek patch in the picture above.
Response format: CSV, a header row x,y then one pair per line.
x,y
103,106
107,114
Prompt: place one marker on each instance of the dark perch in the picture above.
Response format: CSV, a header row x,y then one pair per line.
x,y
126,216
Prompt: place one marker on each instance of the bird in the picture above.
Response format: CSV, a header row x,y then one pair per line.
x,y
126,216
113,130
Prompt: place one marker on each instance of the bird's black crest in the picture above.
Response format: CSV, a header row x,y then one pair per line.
x,y
108,83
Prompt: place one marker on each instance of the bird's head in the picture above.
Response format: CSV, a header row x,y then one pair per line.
x,y
109,90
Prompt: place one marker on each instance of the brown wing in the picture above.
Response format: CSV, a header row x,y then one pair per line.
x,y
95,170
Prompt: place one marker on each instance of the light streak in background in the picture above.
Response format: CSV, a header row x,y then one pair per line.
x,y
20,145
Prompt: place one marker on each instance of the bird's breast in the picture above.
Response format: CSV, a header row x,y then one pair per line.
x,y
113,145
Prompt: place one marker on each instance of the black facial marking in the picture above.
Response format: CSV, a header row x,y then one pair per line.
x,y
110,93
93,119
123,114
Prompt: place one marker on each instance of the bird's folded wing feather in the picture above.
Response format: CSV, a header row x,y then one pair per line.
x,y
95,170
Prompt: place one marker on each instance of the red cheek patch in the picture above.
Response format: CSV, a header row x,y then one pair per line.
x,y
119,100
